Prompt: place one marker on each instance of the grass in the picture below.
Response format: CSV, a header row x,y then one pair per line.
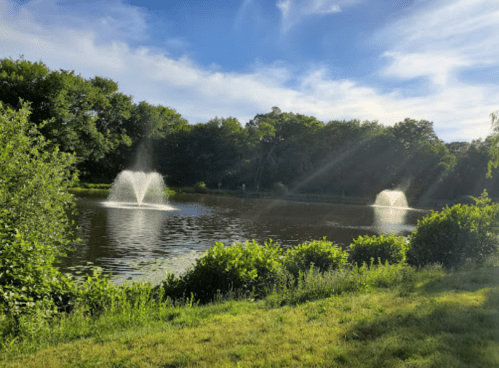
x,y
98,192
391,316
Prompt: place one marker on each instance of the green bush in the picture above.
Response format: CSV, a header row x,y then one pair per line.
x,y
323,254
79,184
456,234
279,189
96,293
200,187
381,248
241,267
34,227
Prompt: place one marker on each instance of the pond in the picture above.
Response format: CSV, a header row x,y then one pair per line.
x,y
143,244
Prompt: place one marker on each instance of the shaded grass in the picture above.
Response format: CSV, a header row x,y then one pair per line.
x,y
318,285
395,317
104,192
90,192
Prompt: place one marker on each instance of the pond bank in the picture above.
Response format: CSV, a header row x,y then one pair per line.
x,y
435,319
183,194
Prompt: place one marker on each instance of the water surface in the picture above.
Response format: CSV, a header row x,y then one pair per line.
x,y
136,243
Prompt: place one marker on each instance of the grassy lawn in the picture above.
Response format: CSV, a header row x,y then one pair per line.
x,y
433,319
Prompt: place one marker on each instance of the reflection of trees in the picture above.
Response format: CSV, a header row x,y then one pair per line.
x,y
125,241
109,235
90,227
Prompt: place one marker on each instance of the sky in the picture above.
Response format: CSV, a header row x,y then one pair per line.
x,y
384,60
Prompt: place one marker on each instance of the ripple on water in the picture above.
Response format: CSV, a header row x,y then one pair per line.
x,y
132,241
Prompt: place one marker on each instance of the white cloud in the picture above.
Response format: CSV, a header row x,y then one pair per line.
x,y
242,13
439,39
293,11
438,68
460,110
285,6
322,7
107,20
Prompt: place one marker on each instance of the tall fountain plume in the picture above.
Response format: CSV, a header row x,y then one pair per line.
x,y
138,187
391,198
390,210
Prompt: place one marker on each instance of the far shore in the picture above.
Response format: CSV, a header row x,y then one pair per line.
x,y
103,190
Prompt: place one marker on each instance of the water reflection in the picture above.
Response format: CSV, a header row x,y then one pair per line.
x,y
128,242
136,230
391,220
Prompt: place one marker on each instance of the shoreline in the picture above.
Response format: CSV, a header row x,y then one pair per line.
x,y
182,193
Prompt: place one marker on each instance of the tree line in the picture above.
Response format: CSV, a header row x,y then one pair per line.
x,y
105,129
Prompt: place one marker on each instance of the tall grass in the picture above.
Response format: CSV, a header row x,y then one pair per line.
x,y
315,284
384,316
141,307
126,307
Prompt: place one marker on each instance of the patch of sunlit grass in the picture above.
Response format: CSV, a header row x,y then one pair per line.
x,y
427,318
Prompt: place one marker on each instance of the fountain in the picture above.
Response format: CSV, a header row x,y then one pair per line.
x,y
390,209
138,189
391,198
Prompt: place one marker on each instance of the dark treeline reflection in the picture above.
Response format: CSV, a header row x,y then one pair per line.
x,y
276,150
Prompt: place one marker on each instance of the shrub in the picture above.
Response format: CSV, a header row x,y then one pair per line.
x,y
381,248
455,235
244,267
279,189
200,187
34,227
323,254
93,186
96,293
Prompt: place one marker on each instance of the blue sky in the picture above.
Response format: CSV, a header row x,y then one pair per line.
x,y
333,59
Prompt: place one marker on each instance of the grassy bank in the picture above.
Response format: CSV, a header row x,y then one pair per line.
x,y
389,316
103,190
252,305
184,193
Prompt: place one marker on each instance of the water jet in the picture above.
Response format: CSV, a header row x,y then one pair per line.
x,y
390,209
391,198
138,189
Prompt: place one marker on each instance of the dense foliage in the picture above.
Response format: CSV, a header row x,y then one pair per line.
x,y
33,214
323,255
89,117
289,152
283,152
241,267
456,234
377,249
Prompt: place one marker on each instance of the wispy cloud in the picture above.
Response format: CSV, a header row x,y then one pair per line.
x,y
460,110
107,20
293,11
438,68
440,39
242,13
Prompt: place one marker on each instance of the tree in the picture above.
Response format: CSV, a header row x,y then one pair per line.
x,y
209,152
494,147
345,158
34,227
82,116
283,146
469,176
149,121
145,126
